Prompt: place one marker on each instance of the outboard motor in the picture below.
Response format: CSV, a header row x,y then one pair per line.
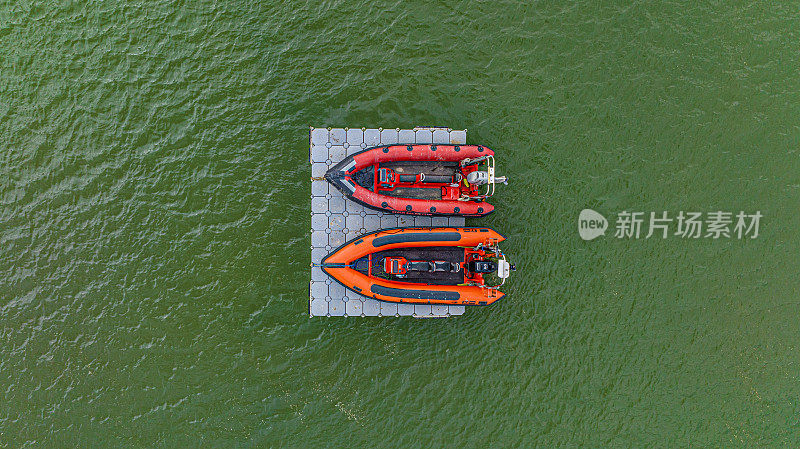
x,y
483,178
478,178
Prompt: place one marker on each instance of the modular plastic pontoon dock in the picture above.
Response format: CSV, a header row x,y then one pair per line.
x,y
336,220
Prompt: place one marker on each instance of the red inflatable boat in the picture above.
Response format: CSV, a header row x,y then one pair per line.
x,y
420,179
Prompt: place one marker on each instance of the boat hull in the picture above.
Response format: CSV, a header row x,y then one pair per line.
x,y
342,176
339,265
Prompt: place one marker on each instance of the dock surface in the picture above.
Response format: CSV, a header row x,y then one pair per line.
x,y
336,220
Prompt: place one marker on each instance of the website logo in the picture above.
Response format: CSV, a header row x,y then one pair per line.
x,y
591,224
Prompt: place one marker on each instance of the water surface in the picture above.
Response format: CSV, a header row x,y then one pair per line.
x,y
154,243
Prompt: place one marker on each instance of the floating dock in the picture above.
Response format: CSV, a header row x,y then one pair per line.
x,y
336,220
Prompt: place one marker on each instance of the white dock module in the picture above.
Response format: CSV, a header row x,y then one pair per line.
x,y
336,220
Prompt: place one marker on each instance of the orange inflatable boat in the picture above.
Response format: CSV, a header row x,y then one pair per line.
x,y
423,265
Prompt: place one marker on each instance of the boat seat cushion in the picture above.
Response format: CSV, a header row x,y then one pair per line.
x,y
420,266
446,267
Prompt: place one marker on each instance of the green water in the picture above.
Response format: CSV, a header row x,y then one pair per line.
x,y
154,243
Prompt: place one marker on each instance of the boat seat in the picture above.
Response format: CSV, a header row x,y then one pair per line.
x,y
408,178
446,267
435,266
419,266
438,179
